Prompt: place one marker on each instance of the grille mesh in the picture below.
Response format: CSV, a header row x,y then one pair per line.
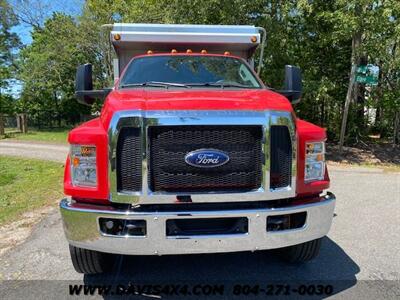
x,y
281,157
129,162
169,172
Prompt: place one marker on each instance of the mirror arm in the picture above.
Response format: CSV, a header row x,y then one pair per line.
x,y
91,95
289,94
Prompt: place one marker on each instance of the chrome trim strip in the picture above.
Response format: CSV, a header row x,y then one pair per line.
x,y
145,119
81,228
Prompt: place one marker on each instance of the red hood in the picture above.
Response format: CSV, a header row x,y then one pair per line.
x,y
140,99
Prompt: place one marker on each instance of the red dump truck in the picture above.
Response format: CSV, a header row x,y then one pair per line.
x,y
192,153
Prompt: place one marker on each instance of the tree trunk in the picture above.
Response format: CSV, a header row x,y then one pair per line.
x,y
396,129
24,123
2,132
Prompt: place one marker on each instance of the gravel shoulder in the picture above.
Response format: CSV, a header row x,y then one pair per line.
x,y
45,151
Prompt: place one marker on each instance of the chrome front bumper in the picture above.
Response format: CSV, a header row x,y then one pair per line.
x,y
81,226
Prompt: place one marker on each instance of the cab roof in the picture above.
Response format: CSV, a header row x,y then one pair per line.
x,y
129,39
242,39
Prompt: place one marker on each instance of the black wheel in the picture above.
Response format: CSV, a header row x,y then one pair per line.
x,y
301,252
90,262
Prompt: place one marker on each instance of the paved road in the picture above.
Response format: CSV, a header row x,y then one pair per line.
x,y
53,152
361,250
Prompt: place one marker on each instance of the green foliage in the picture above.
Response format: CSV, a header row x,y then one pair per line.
x,y
9,42
47,68
323,37
7,104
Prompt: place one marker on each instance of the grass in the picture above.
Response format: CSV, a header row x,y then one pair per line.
x,y
51,135
27,184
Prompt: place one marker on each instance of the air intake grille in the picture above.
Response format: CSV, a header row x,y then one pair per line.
x,y
169,172
129,160
281,157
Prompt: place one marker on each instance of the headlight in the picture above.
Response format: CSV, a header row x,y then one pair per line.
x,y
83,165
315,161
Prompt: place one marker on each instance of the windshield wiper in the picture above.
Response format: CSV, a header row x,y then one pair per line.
x,y
155,84
236,85
221,85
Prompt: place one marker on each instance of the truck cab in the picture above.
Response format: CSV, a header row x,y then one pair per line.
x,y
192,153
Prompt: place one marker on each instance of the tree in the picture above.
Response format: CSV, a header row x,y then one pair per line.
x,y
323,37
47,68
8,43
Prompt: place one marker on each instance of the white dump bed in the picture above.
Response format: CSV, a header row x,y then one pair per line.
x,y
133,39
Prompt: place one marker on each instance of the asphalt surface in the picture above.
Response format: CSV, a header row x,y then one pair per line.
x,y
360,256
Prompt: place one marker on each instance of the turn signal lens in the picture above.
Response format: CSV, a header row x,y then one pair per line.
x,y
315,161
76,162
83,165
254,39
117,36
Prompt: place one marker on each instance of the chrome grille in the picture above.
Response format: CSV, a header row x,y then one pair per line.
x,y
146,192
129,160
281,157
169,172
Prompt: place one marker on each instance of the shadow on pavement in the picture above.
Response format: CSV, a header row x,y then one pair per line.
x,y
333,266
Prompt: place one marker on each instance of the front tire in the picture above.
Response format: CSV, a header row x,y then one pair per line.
x,y
90,262
302,252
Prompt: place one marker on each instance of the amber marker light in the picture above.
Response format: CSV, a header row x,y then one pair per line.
x,y
117,36
310,148
254,39
75,162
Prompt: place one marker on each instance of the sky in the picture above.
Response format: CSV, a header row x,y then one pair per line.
x,y
37,8
42,8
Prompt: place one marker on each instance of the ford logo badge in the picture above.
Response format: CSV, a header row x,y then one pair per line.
x,y
206,158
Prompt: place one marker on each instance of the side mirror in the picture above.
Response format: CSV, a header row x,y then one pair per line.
x,y
84,86
293,85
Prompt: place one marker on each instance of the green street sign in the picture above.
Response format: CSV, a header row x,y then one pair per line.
x,y
367,74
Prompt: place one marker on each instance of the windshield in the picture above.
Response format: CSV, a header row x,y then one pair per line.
x,y
188,71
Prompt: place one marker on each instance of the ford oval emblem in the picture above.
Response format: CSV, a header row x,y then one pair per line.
x,y
206,158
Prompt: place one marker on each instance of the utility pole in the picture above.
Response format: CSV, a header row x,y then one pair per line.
x,y
355,46
346,107
2,131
